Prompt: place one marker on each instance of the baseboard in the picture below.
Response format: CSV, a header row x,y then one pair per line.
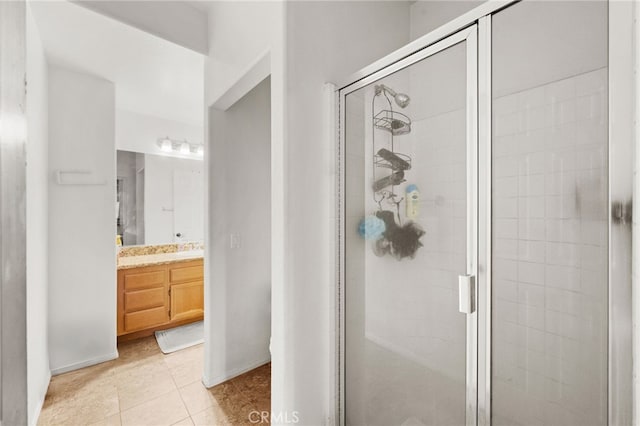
x,y
87,363
35,415
208,383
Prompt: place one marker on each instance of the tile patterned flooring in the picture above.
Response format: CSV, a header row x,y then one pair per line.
x,y
146,387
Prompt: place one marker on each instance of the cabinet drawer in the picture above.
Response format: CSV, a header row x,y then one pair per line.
x,y
147,318
188,273
140,280
144,299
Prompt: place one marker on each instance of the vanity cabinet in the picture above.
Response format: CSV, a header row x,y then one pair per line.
x,y
160,296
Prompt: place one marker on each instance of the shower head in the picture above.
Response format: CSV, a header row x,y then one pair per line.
x,y
402,99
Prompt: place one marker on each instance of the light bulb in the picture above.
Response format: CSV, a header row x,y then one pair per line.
x,y
167,145
185,148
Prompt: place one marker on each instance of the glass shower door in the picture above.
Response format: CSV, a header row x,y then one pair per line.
x,y
409,230
550,214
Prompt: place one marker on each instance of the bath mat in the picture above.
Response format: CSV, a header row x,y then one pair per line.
x,y
182,337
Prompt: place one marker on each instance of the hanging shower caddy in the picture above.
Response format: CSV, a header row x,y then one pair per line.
x,y
386,158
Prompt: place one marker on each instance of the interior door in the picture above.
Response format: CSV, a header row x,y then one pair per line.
x,y
409,225
188,206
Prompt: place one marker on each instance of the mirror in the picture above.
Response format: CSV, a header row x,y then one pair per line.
x,y
160,199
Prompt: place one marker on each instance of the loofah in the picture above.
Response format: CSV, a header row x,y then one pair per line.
x,y
371,228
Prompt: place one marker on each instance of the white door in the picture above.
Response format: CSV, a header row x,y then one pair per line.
x,y
188,206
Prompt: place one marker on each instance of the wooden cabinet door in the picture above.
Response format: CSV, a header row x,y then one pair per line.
x,y
187,300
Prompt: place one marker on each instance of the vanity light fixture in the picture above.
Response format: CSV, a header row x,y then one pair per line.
x,y
185,148
166,145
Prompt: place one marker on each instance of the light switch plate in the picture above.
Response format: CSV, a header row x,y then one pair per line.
x,y
235,241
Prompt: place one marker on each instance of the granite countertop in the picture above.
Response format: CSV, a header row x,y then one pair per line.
x,y
127,262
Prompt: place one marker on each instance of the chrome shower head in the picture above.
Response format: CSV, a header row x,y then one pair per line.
x,y
402,99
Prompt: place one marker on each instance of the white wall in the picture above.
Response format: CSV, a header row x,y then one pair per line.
x,y
427,15
82,262
140,133
326,41
240,314
257,28
38,372
159,196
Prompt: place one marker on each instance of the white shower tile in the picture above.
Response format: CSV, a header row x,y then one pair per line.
x,y
505,207
535,118
531,98
531,294
531,229
531,251
591,157
531,207
505,228
560,90
505,289
533,273
564,112
594,232
505,104
560,206
506,311
593,258
589,107
505,187
533,141
505,166
531,185
591,82
564,277
562,254
508,124
591,132
531,317
563,230
562,182
561,136
505,248
532,163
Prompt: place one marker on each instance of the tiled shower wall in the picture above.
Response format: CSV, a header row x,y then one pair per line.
x,y
550,253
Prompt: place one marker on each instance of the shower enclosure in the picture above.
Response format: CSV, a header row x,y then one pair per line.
x,y
484,230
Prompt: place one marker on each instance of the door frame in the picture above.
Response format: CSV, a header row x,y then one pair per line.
x,y
469,36
621,341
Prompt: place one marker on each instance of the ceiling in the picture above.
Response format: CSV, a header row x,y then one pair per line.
x,y
152,76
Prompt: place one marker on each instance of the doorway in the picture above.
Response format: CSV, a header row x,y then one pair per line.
x,y
238,289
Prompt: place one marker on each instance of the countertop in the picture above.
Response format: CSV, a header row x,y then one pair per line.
x,y
127,262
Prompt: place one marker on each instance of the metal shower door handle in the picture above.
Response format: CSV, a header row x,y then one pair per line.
x,y
466,294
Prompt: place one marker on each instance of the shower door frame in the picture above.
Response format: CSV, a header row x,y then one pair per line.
x,y
469,36
620,175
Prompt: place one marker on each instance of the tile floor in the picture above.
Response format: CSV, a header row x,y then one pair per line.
x,y
146,387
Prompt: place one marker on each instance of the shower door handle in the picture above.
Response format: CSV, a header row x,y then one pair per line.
x,y
467,294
